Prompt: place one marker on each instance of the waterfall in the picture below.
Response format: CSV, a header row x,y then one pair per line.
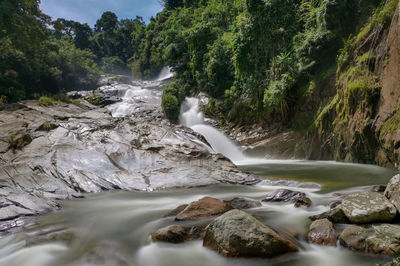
x,y
165,73
192,117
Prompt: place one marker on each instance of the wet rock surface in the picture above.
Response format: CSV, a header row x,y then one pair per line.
x,y
286,195
322,233
178,234
335,215
237,233
206,207
87,150
368,207
242,204
377,239
392,191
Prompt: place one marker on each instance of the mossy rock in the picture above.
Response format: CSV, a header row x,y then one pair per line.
x,y
17,143
46,127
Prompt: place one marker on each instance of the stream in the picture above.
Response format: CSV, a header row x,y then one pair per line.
x,y
113,228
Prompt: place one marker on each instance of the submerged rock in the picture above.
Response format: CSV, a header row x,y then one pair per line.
x,y
322,233
392,191
286,195
242,204
177,210
204,208
377,239
178,234
237,233
368,207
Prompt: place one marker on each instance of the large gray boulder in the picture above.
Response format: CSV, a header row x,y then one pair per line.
x,y
377,239
368,207
322,233
392,191
236,233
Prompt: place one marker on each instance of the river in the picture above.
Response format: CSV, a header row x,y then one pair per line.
x,y
118,224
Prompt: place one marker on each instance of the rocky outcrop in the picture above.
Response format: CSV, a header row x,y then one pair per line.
x,y
378,239
368,207
87,150
392,191
237,233
202,209
322,233
178,234
286,195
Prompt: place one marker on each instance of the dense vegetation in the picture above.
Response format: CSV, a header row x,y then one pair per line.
x,y
39,56
256,57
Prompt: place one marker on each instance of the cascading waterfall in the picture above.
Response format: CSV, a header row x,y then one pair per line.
x,y
191,116
165,73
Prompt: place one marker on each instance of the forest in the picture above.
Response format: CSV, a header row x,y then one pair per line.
x,y
255,58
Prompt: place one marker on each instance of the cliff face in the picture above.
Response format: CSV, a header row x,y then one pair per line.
x,y
360,123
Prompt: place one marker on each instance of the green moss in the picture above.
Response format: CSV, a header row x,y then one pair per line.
x,y
46,101
383,15
326,109
47,127
16,143
77,102
391,124
366,57
95,99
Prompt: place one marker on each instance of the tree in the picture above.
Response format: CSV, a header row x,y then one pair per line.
x,y
107,23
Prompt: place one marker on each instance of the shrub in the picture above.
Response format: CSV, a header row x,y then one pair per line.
x,y
46,126
95,99
170,106
46,101
18,143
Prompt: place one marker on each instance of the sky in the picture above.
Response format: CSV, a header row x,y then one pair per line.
x,y
89,11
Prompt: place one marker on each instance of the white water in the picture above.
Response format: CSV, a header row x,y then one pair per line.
x,y
165,73
191,116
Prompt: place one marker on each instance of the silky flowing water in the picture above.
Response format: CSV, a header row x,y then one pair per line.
x,y
121,222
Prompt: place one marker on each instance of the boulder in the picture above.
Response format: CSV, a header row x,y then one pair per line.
x,y
236,233
286,195
177,210
392,191
178,234
377,239
202,209
368,207
322,233
242,204
335,215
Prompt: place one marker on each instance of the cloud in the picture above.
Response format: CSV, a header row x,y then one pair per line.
x,y
89,11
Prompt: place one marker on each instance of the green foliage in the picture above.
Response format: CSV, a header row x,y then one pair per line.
x,y
46,101
391,124
212,109
47,127
95,99
17,143
170,106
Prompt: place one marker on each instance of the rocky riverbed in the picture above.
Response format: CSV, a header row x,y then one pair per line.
x,y
64,151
